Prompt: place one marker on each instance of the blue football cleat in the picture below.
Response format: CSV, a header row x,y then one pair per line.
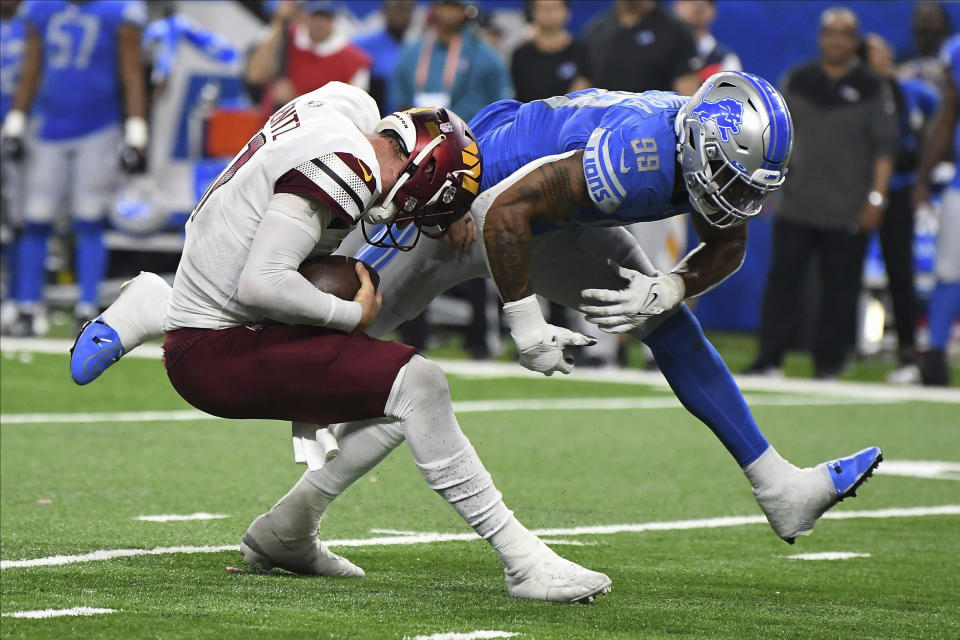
x,y
795,498
96,348
849,473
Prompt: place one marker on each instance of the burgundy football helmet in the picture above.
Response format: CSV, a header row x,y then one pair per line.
x,y
438,183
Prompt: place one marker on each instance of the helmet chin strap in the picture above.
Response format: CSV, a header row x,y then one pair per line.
x,y
388,210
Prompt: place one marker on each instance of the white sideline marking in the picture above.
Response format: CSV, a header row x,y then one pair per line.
x,y
469,406
173,517
862,390
472,635
935,469
828,555
433,537
55,613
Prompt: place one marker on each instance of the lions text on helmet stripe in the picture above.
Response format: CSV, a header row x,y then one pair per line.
x,y
734,139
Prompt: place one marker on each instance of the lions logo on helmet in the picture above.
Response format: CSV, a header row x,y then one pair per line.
x,y
734,139
727,113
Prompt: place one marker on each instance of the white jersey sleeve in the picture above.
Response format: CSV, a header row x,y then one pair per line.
x,y
314,147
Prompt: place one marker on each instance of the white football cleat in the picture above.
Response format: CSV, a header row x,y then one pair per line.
x,y
263,546
795,503
551,578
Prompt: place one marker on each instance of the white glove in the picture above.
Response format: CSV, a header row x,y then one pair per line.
x,y
11,135
643,298
540,344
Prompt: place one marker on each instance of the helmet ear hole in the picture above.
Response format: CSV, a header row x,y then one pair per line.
x,y
430,168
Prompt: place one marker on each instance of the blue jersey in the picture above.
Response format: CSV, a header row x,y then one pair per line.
x,y
628,141
951,55
12,43
919,104
80,88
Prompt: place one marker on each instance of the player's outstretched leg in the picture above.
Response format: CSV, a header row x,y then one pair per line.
x,y
791,498
419,411
134,318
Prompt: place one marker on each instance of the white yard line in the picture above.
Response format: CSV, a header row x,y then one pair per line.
x,y
569,543
173,517
56,613
434,537
474,369
828,555
479,634
935,469
105,416
395,532
467,406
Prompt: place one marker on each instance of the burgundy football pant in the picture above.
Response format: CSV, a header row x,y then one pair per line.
x,y
283,372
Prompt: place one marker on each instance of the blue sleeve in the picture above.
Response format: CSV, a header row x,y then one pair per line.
x,y
401,89
630,159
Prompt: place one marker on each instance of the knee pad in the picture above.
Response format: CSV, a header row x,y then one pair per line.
x,y
420,383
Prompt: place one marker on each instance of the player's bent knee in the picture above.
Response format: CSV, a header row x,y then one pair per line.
x,y
427,380
422,387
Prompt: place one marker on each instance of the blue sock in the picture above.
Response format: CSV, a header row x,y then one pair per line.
x,y
91,256
944,308
31,260
704,385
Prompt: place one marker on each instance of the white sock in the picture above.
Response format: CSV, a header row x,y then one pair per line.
x,y
767,470
137,314
419,410
363,444
451,466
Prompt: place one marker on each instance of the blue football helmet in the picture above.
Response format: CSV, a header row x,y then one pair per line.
x,y
734,139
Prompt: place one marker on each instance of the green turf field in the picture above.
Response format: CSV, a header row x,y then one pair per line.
x,y
75,484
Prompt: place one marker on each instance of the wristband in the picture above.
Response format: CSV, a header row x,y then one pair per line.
x,y
14,125
525,320
135,132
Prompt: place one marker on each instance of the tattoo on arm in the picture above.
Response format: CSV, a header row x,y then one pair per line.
x,y
508,249
549,194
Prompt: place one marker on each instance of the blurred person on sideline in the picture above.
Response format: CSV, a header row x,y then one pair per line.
x,y
452,66
552,62
12,34
384,47
637,45
846,141
302,51
930,29
81,76
945,299
713,56
916,102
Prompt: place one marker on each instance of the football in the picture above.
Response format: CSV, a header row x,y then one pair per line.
x,y
336,275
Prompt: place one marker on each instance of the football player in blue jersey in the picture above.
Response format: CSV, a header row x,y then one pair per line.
x,y
81,78
11,57
945,298
560,179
